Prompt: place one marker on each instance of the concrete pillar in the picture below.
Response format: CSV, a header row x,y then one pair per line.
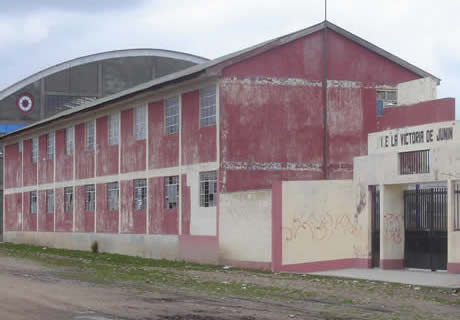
x,y
392,226
453,236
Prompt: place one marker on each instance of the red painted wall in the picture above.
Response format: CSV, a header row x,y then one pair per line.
x,y
162,220
45,219
84,160
84,221
30,168
46,166
64,220
107,155
106,221
198,144
13,209
64,163
416,114
186,204
132,150
13,166
29,219
163,149
132,220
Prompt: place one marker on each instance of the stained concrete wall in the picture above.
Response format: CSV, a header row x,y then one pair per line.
x,y
416,91
245,228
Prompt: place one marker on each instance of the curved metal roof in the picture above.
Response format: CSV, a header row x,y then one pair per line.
x,y
99,57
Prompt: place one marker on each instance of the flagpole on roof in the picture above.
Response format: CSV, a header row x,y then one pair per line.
x,y
325,10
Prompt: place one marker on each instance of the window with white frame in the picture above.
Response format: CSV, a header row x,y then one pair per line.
x,y
171,115
90,198
34,149
89,132
68,199
113,128
140,194
112,196
33,202
50,145
139,122
69,141
208,106
208,188
171,192
20,146
50,201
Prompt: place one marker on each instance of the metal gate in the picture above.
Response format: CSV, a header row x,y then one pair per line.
x,y
425,219
375,227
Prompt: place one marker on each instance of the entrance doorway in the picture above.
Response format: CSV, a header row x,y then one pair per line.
x,y
375,221
425,220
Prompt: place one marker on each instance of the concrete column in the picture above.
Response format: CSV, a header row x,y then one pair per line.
x,y
392,226
453,237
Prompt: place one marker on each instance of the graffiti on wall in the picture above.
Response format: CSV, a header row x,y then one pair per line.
x,y
392,228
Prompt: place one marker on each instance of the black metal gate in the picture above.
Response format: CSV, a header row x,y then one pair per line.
x,y
375,227
425,212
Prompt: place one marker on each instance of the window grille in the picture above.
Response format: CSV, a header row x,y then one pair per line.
x,y
112,196
208,106
20,146
414,162
50,145
140,194
208,189
34,149
50,201
172,115
171,192
33,202
139,122
90,135
69,141
90,198
113,128
68,199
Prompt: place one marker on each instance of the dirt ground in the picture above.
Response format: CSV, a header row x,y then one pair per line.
x,y
29,290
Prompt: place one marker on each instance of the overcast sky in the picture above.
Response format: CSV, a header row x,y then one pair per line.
x,y
35,34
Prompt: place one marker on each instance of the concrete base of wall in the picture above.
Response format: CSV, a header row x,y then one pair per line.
x,y
453,267
326,265
387,264
257,265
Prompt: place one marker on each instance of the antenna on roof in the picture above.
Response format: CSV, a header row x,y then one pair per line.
x,y
325,10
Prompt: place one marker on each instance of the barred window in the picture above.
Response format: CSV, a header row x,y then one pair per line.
x,y
414,162
171,192
139,122
34,149
208,106
68,199
50,145
33,202
113,128
112,196
208,189
172,115
90,198
140,194
50,201
20,146
69,141
89,128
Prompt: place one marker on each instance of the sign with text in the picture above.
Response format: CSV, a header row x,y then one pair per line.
x,y
416,137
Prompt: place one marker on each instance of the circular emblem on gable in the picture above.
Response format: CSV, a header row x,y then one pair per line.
x,y
25,103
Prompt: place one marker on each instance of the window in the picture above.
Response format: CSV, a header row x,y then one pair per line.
x,y
112,196
50,201
20,146
90,135
113,129
414,162
68,199
34,149
389,97
208,189
50,145
208,106
33,202
69,141
139,122
140,194
90,197
171,192
172,115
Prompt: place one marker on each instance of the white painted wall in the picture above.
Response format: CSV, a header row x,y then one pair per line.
x,y
416,91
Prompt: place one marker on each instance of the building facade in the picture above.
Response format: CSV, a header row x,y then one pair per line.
x,y
188,166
